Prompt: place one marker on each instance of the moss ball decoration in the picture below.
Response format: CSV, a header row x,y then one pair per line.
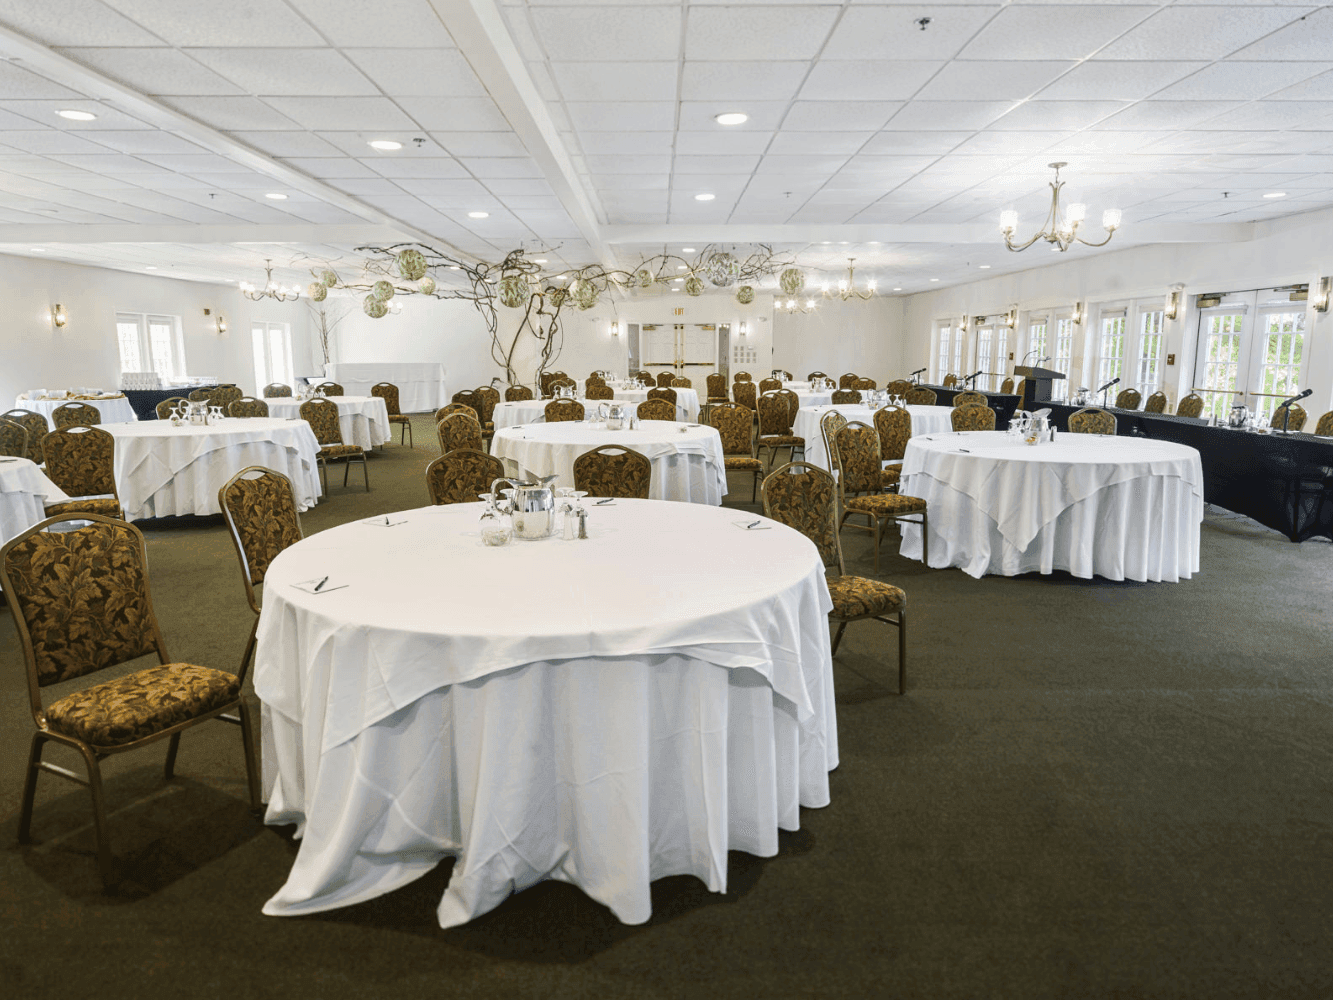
x,y
584,293
745,295
559,296
317,291
329,278
722,269
412,264
382,290
644,277
694,285
426,286
375,308
513,291
791,281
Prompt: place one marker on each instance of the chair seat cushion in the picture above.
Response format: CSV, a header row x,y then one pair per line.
x,y
781,440
399,418
143,703
857,596
891,475
885,504
743,464
107,507
340,450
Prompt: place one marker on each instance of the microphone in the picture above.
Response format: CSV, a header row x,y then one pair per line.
x,y
974,375
1032,352
1043,360
917,372
1103,388
1298,396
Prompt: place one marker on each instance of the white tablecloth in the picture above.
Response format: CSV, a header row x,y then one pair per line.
x,y
363,420
687,400
623,728
533,411
420,384
925,420
24,492
1123,508
162,471
114,411
810,397
687,459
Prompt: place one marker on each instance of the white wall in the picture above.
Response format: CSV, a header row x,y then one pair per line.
x,y
35,354
854,336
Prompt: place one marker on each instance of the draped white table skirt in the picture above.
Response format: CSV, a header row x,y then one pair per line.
x,y
362,420
925,420
24,494
115,410
421,387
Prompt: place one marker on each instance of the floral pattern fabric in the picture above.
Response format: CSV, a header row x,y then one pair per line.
x,y
950,381
1325,426
893,424
806,503
864,383
1007,386
36,426
847,380
1293,423
105,506
966,398
774,415
81,461
829,425
449,408
262,512
858,458
1091,421
769,385
599,390
388,392
563,409
517,394
459,430
656,409
276,390
1190,406
973,417
612,471
13,439
921,396
490,398
859,597
899,387
225,395
331,388
1128,399
322,416
744,394
460,475
733,425
76,415
165,407
664,378
248,408
663,393
717,386
885,504
846,396
1156,403
681,382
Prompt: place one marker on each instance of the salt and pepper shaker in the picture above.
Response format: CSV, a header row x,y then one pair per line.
x,y
583,523
569,522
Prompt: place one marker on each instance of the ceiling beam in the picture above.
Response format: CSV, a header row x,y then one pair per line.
x,y
942,233
350,234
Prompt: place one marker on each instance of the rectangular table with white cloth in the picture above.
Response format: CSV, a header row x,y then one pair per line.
x,y
165,471
925,420
363,420
24,494
1117,507
687,459
420,383
114,409
620,729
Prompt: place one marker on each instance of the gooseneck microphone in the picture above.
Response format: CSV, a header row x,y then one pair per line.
x,y
1285,407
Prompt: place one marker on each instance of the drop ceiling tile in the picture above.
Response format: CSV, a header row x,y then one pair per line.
x,y
742,81
147,141
463,193
629,164
287,72
423,166
947,115
419,72
871,32
44,113
72,22
365,185
610,116
595,34
486,167
204,22
756,32
49,141
628,182
867,80
992,78
915,142
1147,115
467,114
1053,31
796,166
545,202
995,141
1241,81
107,163
342,113
719,142
629,81
358,143
230,113
518,185
1318,88
287,143
319,213
1201,32
1270,115
627,142
1106,142
1117,81
690,164
551,224
840,116
155,71
1057,116
325,167
765,116
819,142
480,143
408,24
17,83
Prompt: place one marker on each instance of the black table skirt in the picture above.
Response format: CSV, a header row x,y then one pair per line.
x,y
144,401
1284,481
1004,404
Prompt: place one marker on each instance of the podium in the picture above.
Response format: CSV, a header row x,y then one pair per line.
x,y
1036,384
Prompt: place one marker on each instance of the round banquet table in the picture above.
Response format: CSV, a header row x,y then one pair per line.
x,y
687,400
1123,508
533,411
665,718
687,458
925,420
814,397
24,494
114,409
363,420
163,471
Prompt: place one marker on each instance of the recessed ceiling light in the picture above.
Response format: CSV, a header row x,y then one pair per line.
x,y
540,260
704,197
454,267
77,116
1276,194
151,267
276,196
934,279
386,144
38,250
687,249
681,267
984,267
731,118
479,215
897,289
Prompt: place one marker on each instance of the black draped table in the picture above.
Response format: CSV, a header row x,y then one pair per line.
x,y
144,401
1003,403
1284,481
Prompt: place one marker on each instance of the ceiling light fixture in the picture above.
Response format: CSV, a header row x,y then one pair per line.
x,y
276,196
1276,194
847,286
479,215
151,267
794,305
897,289
388,145
77,116
540,260
934,279
731,118
687,249
58,315
704,197
37,250
271,289
1061,228
984,267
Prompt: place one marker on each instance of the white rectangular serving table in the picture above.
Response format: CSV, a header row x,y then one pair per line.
x,y
925,420
363,420
420,383
114,409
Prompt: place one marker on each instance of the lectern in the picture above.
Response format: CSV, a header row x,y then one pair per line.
x,y
1036,384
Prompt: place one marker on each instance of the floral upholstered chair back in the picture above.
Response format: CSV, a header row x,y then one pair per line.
x,y
1007,386
225,395
899,387
742,377
744,394
774,416
921,396
1128,399
593,379
544,381
461,474
75,630
450,408
864,383
656,409
717,386
76,415
646,379
950,381
612,471
517,394
806,503
733,423
564,382
490,398
664,378
199,395
13,439
845,396
1156,403
965,398
1190,406
847,380
248,406
276,390
563,409
1294,422
769,385
1091,420
322,416
259,507
596,390
36,426
164,408
793,402
814,375
972,417
681,382
829,425
858,458
1018,387
663,393
331,388
893,424
459,430
81,461
1325,426
388,392
468,397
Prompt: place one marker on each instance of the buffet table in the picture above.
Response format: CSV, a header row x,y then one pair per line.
x,y
925,420
687,459
164,471
24,494
626,725
1120,508
420,384
363,420
114,409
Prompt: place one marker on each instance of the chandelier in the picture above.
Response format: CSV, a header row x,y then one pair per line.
x,y
271,289
792,305
1061,228
847,286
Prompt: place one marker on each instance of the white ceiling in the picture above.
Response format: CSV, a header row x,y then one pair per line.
x,y
588,127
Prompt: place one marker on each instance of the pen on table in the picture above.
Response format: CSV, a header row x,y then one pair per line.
x,y
600,502
386,519
321,584
752,525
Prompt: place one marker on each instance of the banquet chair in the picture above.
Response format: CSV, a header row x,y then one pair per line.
x,y
613,471
459,430
769,384
681,382
1018,389
330,388
893,424
735,424
808,503
468,397
717,387
793,402
13,439
845,396
1007,386
199,395
36,426
1091,420
82,462
1294,422
950,381
599,390
225,395
814,375
593,379
457,477
742,377
81,603
544,380
563,383
517,394
563,409
829,424
899,387
490,398
1156,403
847,380
248,406
787,376
921,396
972,417
663,392
664,378
76,415
1128,399
164,408
259,506
322,416
277,390
388,392
964,398
449,408
743,393
775,420
1190,406
1325,426
860,475
656,409
646,379
864,383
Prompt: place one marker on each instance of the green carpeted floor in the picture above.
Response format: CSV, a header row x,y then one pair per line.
x,y
1091,790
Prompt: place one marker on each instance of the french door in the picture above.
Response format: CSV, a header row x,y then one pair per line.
x,y
1251,350
679,346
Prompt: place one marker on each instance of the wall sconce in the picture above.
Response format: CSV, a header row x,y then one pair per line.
x,y
1322,295
615,328
744,328
222,324
962,324
1011,318
1172,310
58,315
1077,314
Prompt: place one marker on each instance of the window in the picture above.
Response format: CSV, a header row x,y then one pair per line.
x,y
1148,377
1283,343
1220,357
1037,339
1062,357
151,343
1001,356
945,331
272,344
959,336
1111,349
985,336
